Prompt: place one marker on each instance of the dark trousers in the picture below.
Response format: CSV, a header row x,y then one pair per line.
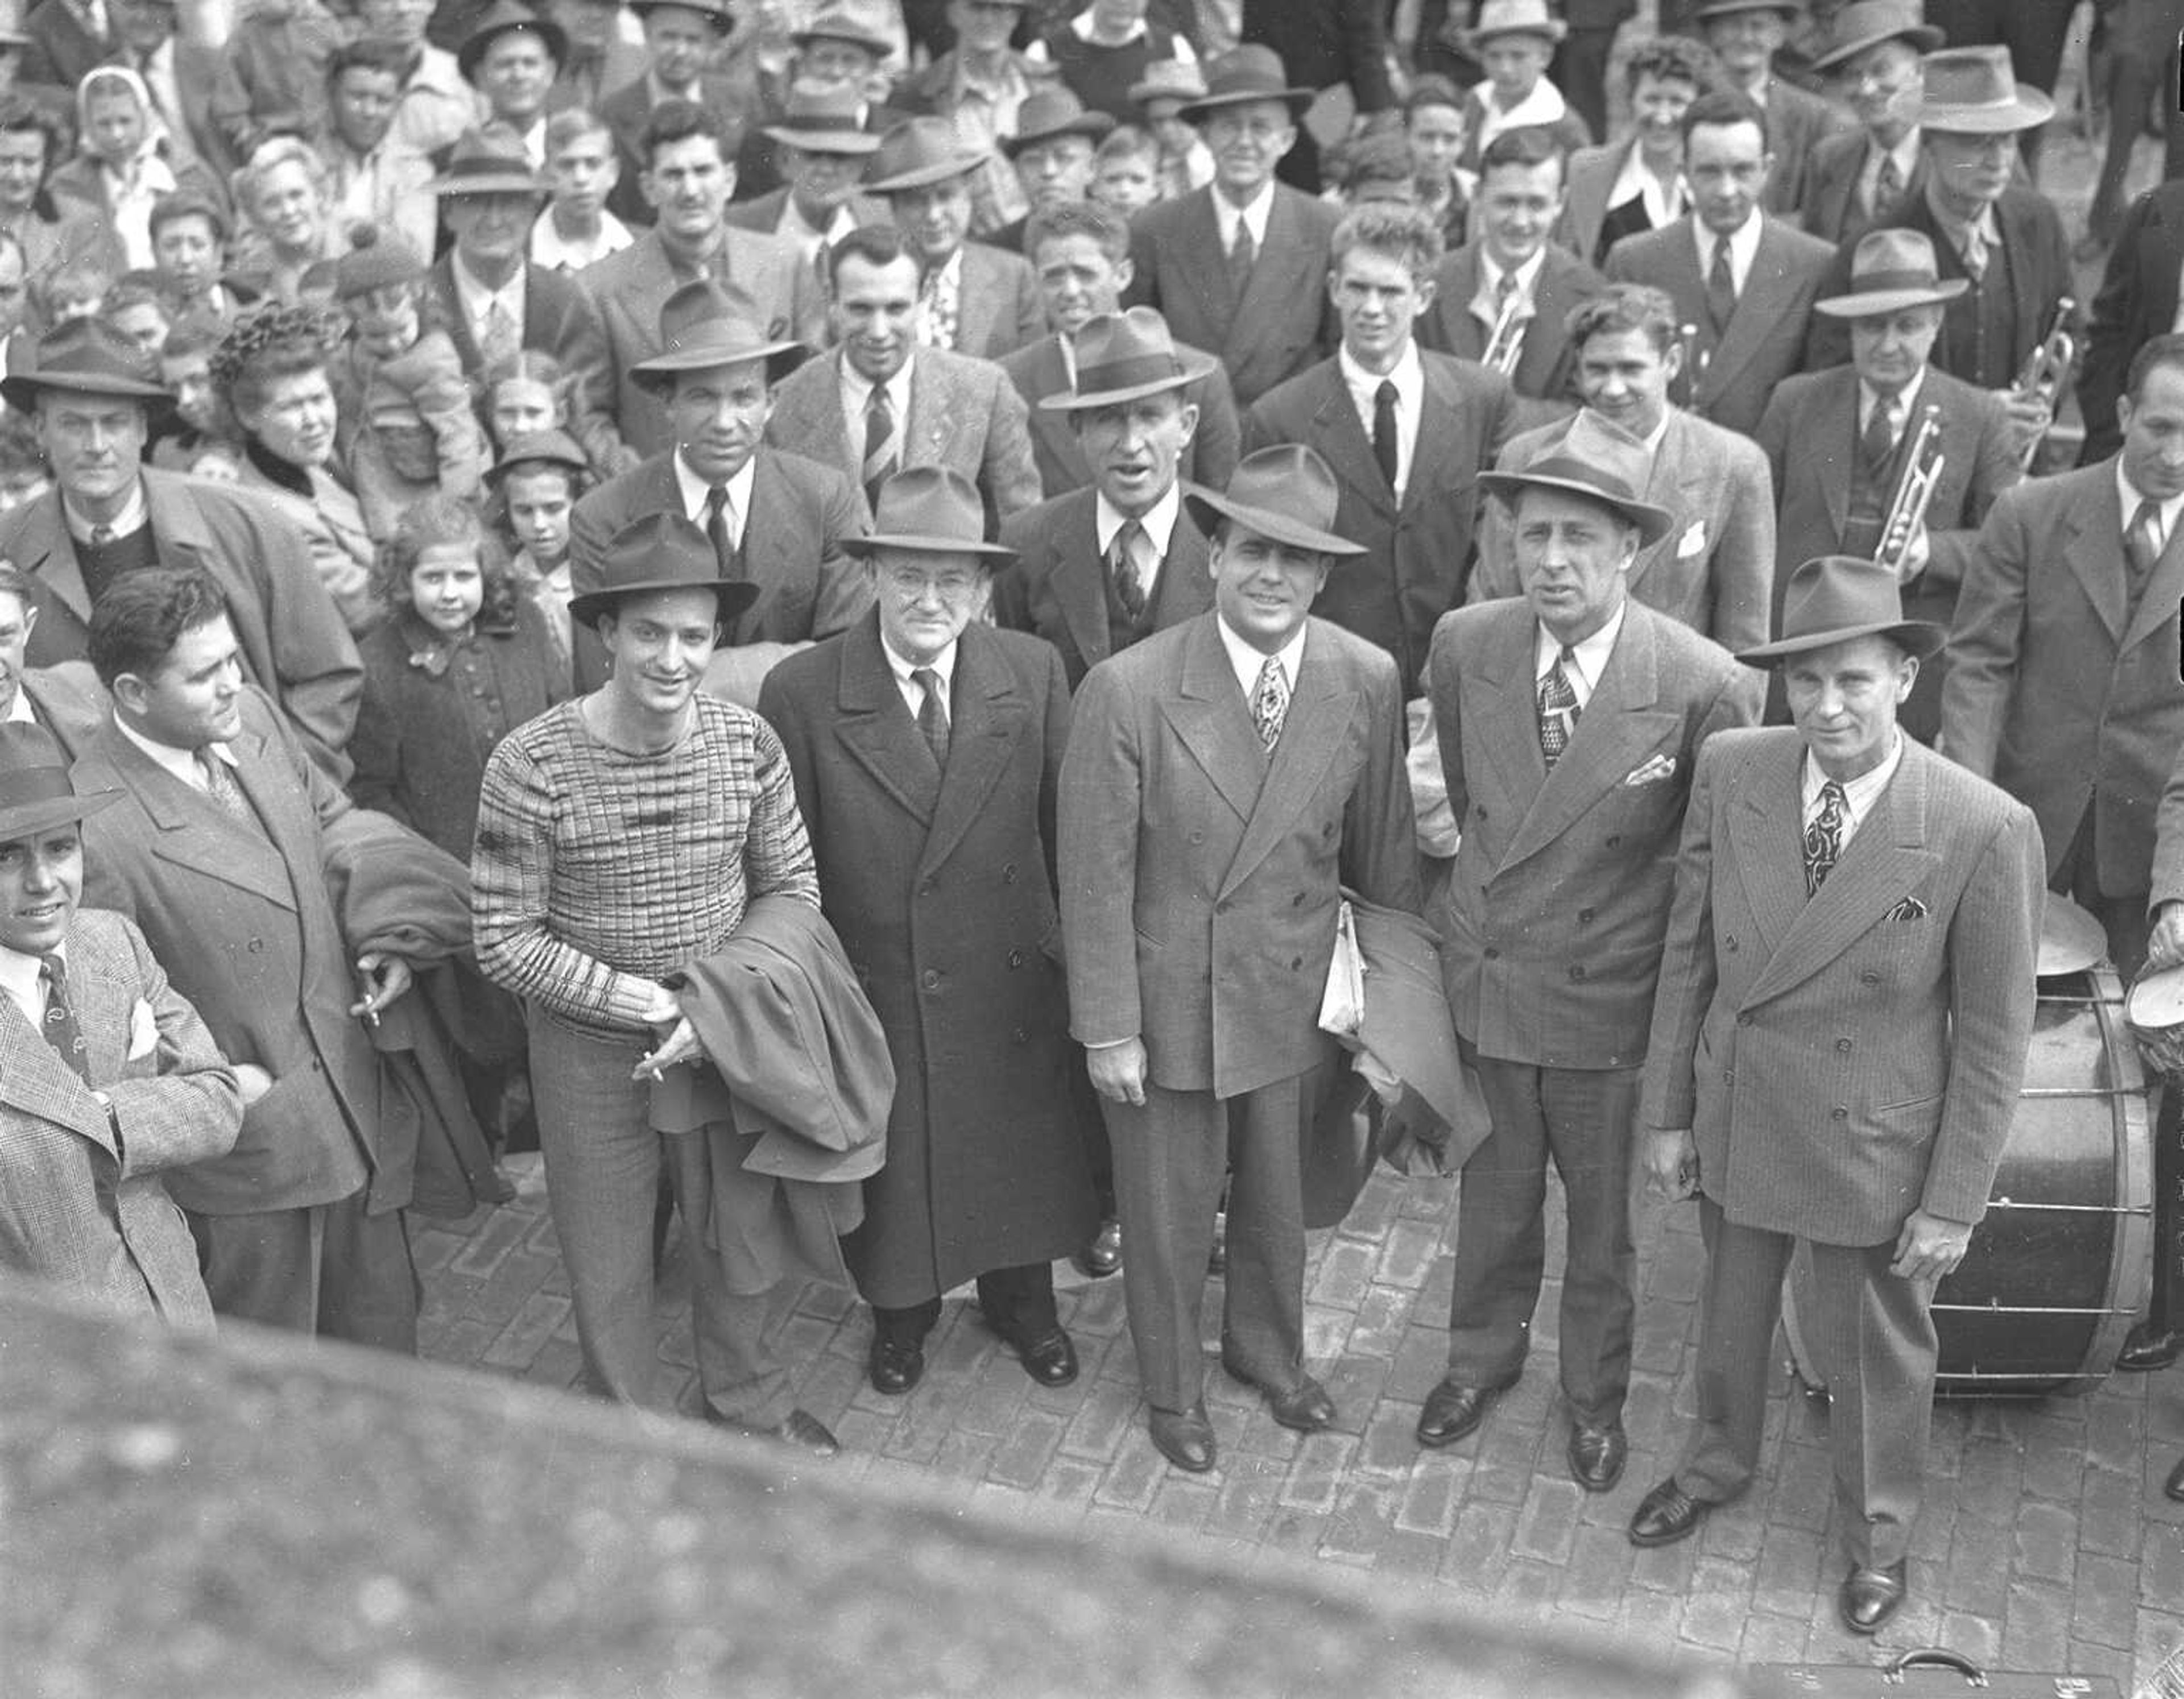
x,y
1584,1119
1018,1304
1579,70
328,1269
2122,916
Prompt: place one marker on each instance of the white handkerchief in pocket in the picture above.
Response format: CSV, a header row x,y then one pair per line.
x,y
1651,771
1693,541
143,1031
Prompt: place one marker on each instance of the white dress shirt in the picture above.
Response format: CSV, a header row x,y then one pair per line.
x,y
1226,213
1743,249
1247,662
696,492
2128,499
1490,282
1409,377
1905,153
135,511
913,693
1665,202
1158,524
556,253
1588,657
1859,794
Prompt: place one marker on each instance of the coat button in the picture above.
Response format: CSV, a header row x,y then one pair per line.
x,y
930,979
1480,812
1615,843
1016,958
1295,962
1198,837
1842,1044
1584,917
1577,971
1491,954
257,945
1298,901
1728,1076
1840,1112
1730,945
1744,1020
1869,977
1009,874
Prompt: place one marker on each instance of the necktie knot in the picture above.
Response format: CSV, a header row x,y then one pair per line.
x,y
1504,287
1558,706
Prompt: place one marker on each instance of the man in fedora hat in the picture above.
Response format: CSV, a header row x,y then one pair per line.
x,y
512,57
1745,36
681,37
687,175
1407,433
107,515
1321,43
1858,177
1837,443
821,149
1835,1058
666,814
778,521
107,1075
836,51
1238,267
1198,959
1052,151
926,747
973,298
979,86
1568,722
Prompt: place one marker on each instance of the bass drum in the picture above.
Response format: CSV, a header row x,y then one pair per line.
x,y
2063,1263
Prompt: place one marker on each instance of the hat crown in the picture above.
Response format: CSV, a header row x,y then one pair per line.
x,y
1291,481
1049,109
1118,350
661,551
36,791
555,447
1839,592
929,503
821,105
1602,455
90,349
1970,76
1252,68
1498,17
504,15
1876,20
1893,259
709,314
918,145
839,24
1173,78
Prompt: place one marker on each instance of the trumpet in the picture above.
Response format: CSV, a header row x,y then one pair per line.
x,y
1914,490
2047,368
1506,346
1695,363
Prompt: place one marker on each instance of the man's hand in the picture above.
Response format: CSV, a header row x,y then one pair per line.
x,y
666,1010
680,1045
1929,1247
1118,1071
253,1081
2164,945
2029,413
1671,1157
385,979
1916,554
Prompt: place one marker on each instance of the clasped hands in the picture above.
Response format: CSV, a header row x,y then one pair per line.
x,y
679,1045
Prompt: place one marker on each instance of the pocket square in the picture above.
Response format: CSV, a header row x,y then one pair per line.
x,y
1651,771
143,1031
1909,909
1693,541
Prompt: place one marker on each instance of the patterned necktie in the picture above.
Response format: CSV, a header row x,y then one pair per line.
x,y
2142,545
1887,187
221,786
60,1028
1879,442
879,443
1385,448
1270,703
1824,837
938,315
1720,287
1241,252
498,343
932,714
1558,709
1123,571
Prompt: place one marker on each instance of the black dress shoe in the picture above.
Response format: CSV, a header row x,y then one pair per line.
x,y
1050,1359
1451,1412
1184,1437
2175,1485
1305,1406
2146,1349
1596,1456
1870,1596
1666,1515
895,1365
1104,1255
801,1429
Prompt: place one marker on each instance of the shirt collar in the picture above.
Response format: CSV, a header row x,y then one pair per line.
x,y
1907,403
1158,522
1527,275
1247,662
20,711
857,390
1858,794
1590,654
1409,377
1254,213
1743,245
134,513
181,763
943,664
476,298
695,490
2128,497
1954,228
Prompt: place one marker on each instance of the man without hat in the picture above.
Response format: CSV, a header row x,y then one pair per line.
x,y
1198,959
1567,720
926,747
1745,36
622,837
1858,177
681,37
1835,1058
372,175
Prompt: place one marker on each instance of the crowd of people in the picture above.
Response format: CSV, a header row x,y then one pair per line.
x,y
927,638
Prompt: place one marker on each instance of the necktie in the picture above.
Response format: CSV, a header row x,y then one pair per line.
x,y
1270,703
100,535
1879,442
1123,570
221,786
937,315
2142,545
1824,837
1720,288
1241,252
1974,253
1385,446
1558,709
879,443
61,1030
717,528
1886,187
932,714
1503,289
499,342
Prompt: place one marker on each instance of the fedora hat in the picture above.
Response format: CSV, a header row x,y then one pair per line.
x,y
1836,599
919,152
707,324
1597,460
1729,8
714,12
36,791
83,357
1168,80
1252,72
1891,270
1974,91
1122,356
1053,111
661,551
504,18
930,510
1286,493
1513,18
1865,24
824,118
539,447
839,24
488,163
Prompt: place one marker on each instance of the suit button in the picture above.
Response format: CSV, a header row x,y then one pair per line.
x,y
1221,907
1842,1044
1577,971
1728,1076
1295,962
1839,1113
1491,954
1198,837
930,979
1008,873
257,945
1016,958
1584,917
1298,901
1480,812
317,1067
1869,977
925,888
1615,843
1017,1037
1744,1020
1730,945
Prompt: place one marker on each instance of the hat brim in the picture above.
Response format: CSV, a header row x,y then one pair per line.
x,y
1729,8
20,389
1298,100
1091,126
1140,92
986,553
28,819
1920,637
1549,29
660,372
735,595
1653,523
1195,365
842,142
1875,302
718,16
1207,508
1923,36
878,48
924,176
2028,110
509,183
473,50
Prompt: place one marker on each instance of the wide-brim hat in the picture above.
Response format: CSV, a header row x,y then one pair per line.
x,y
1729,8
917,153
1514,18
488,164
1243,76
661,551
36,793
930,510
1599,461
714,12
1892,269
1836,599
539,447
1974,91
1168,80
84,357
835,24
1050,113
1286,493
1125,356
503,17
824,118
705,324
1865,24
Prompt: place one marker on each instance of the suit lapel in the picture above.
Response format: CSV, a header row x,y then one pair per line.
x,y
1047,376
35,1079
1833,442
1432,450
196,832
1339,435
977,302
1321,704
1459,282
1764,831
772,535
2157,603
1209,716
931,425
1204,263
990,716
1509,709
1682,480
1079,577
876,727
1767,295
2094,551
1278,268
1185,587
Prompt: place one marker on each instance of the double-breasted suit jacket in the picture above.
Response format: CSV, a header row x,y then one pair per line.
x,y
1037,371
1713,572
2137,302
1553,922
939,882
1283,322
1418,551
1546,364
964,415
1844,1059
1827,206
1764,339
2058,690
1057,585
80,1206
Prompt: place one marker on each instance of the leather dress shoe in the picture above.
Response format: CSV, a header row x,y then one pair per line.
x,y
2145,1349
801,1429
1870,1596
1453,1410
1103,1255
2175,1485
895,1365
1305,1406
1596,1456
1050,1359
1184,1437
1666,1515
